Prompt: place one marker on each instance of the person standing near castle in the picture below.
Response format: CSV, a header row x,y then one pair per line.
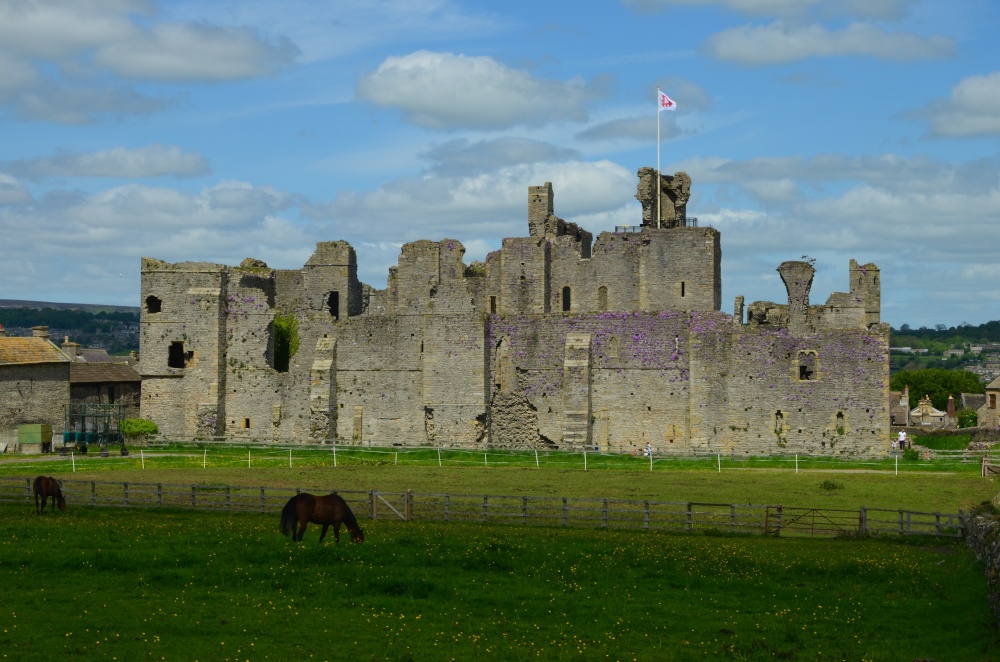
x,y
902,440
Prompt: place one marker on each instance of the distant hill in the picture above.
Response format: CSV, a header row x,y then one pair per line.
x,y
87,307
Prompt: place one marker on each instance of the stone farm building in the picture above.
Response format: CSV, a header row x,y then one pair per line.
x,y
555,341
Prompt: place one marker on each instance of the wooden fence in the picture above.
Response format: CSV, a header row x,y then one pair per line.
x,y
523,510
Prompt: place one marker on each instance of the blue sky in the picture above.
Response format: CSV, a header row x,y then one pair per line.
x,y
833,129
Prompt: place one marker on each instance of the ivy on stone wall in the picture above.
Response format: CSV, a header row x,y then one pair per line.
x,y
286,340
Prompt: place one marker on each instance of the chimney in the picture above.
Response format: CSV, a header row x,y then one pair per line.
x,y
40,332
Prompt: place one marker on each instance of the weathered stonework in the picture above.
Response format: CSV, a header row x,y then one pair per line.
x,y
556,340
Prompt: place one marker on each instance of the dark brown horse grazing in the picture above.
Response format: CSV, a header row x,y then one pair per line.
x,y
326,510
45,487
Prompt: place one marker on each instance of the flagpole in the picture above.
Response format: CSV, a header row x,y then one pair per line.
x,y
657,183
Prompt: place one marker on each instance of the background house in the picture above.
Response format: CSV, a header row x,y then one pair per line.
x,y
34,384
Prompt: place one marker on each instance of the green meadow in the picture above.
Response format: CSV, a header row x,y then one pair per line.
x,y
916,485
130,584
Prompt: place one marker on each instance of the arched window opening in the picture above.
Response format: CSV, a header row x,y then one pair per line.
x,y
153,304
602,298
614,347
566,299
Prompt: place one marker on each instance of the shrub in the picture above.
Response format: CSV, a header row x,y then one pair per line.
x,y
831,485
967,418
135,428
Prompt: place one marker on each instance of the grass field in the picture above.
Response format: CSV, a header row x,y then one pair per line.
x,y
827,485
130,585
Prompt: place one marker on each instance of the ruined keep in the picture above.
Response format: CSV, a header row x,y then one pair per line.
x,y
556,340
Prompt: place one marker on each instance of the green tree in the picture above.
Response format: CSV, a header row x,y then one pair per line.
x,y
938,383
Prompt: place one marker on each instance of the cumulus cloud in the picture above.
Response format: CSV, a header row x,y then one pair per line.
x,y
222,223
445,90
630,128
12,192
461,156
874,9
780,42
180,52
972,110
895,211
119,162
73,62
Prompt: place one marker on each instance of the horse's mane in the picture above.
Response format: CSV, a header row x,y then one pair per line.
x,y
349,518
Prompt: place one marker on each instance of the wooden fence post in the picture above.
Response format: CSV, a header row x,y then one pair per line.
x,y
93,493
159,494
485,507
565,512
863,521
125,485
689,517
732,517
371,504
604,514
447,506
27,489
193,497
645,514
524,510
409,505
263,500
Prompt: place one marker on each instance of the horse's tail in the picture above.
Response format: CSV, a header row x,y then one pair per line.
x,y
289,518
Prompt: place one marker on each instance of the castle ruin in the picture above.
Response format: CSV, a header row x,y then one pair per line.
x,y
556,340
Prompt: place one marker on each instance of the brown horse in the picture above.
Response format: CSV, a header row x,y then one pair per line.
x,y
45,487
326,510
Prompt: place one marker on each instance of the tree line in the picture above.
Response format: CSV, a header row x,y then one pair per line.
x,y
87,321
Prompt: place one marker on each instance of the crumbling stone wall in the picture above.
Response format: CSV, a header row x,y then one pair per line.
x,y
553,340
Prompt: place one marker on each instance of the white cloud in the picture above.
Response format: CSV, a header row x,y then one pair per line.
x,y
460,156
12,192
72,62
779,43
120,162
973,109
876,9
444,90
180,52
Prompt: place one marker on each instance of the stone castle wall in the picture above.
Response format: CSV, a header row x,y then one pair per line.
x,y
554,341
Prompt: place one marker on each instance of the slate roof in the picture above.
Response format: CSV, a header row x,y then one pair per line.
x,y
18,350
102,373
100,356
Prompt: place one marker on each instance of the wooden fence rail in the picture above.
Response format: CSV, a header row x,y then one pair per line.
x,y
523,510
